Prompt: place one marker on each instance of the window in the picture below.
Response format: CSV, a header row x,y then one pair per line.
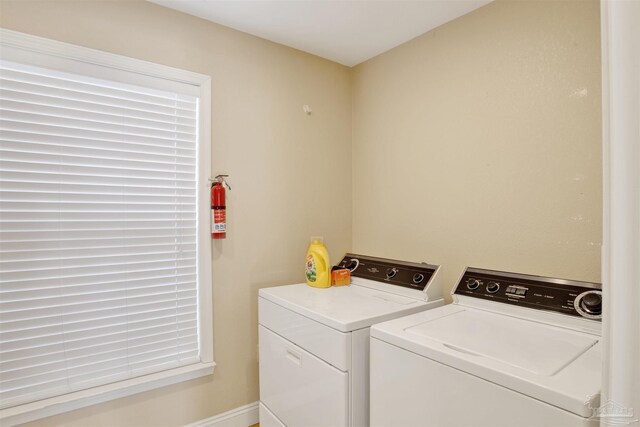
x,y
104,240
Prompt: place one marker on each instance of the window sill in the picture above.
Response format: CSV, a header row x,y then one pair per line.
x,y
80,399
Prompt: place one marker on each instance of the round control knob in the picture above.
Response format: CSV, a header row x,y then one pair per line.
x,y
592,303
473,284
391,272
352,264
589,304
418,277
493,287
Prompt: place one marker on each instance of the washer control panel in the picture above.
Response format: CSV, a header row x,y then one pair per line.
x,y
574,298
398,273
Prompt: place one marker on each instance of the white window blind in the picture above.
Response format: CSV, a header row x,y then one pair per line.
x,y
98,231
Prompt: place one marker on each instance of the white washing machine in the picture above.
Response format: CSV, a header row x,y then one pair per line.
x,y
314,343
512,350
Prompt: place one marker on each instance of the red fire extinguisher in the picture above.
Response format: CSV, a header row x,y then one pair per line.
x,y
218,208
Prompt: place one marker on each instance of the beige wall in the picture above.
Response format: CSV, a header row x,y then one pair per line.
x,y
262,138
479,143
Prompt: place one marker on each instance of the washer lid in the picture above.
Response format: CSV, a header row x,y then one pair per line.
x,y
345,308
535,347
553,364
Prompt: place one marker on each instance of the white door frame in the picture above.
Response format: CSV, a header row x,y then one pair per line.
x,y
620,21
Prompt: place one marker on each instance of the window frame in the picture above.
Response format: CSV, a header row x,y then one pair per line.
x,y
79,399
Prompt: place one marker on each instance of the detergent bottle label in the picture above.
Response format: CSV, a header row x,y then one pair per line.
x,y
310,268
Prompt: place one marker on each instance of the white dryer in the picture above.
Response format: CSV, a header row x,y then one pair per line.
x,y
314,343
512,350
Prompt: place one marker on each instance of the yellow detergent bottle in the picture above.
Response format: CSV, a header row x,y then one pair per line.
x,y
318,268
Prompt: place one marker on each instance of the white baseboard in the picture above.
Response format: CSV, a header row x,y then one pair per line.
x,y
243,416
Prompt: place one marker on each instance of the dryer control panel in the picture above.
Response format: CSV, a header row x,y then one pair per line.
x,y
574,298
398,273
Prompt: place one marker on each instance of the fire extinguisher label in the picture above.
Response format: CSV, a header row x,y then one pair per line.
x,y
218,220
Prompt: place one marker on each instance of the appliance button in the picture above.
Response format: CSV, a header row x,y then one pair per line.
x,y
473,284
352,264
592,303
391,272
521,291
418,277
493,287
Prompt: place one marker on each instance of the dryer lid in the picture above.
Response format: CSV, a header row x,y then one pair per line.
x,y
535,347
550,363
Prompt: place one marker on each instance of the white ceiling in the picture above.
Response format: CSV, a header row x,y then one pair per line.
x,y
345,31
